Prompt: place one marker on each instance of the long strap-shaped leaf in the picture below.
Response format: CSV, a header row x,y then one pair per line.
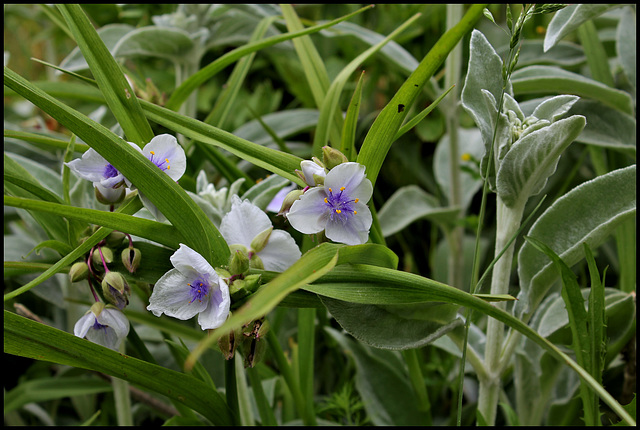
x,y
28,338
313,264
188,86
152,230
115,88
129,207
198,230
381,134
329,105
382,286
275,161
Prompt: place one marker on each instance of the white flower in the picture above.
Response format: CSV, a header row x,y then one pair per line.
x,y
276,203
165,152
338,207
95,168
248,226
106,326
192,288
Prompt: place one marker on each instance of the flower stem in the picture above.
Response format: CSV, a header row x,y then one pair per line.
x,y
507,223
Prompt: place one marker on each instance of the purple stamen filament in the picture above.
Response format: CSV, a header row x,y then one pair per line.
x,y
340,206
110,171
161,163
199,290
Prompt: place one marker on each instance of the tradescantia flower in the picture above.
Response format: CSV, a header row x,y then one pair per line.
x,y
192,288
248,228
104,325
165,152
107,180
338,207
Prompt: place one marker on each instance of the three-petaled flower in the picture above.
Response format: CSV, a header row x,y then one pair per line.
x,y
338,207
248,228
107,180
165,152
104,325
192,288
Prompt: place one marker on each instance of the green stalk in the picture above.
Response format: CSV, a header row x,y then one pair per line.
x,y
264,409
122,398
306,344
287,374
452,76
231,389
413,359
508,221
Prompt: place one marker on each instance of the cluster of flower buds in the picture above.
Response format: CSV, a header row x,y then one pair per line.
x,y
114,287
249,341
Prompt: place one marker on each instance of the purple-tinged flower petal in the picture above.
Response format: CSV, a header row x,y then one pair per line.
x,y
280,253
192,288
108,328
95,168
166,153
338,207
243,222
309,168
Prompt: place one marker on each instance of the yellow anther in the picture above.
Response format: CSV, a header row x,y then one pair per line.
x,y
355,212
338,211
325,200
330,190
466,156
341,188
356,200
153,153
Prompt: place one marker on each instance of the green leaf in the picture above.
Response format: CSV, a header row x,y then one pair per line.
x,y
485,83
30,339
273,160
118,93
110,35
626,44
578,323
173,44
42,390
396,327
470,143
426,111
383,385
409,204
525,169
606,127
313,264
548,79
569,19
329,106
129,207
564,54
578,216
199,232
380,136
284,123
347,146
182,92
18,175
162,233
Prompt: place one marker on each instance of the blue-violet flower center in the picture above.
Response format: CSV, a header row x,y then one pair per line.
x,y
340,204
199,289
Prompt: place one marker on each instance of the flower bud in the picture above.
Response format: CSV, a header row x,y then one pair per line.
x,y
260,241
115,289
252,282
288,201
79,271
332,157
97,308
131,259
114,239
228,343
253,351
101,254
239,261
255,262
238,290
309,169
109,196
